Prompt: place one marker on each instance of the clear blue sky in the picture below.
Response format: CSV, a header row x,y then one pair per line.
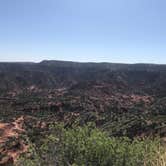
x,y
129,31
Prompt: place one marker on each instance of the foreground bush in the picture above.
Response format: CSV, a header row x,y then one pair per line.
x,y
88,146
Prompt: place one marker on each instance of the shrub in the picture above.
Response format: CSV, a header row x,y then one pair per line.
x,y
88,146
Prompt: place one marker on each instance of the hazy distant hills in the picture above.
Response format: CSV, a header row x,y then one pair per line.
x,y
142,78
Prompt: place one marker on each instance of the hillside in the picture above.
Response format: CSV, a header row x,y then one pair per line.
x,y
147,78
121,99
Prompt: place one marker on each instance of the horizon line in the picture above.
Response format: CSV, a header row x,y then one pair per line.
x,y
83,62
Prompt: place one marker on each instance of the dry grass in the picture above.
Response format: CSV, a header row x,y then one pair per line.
x,y
159,159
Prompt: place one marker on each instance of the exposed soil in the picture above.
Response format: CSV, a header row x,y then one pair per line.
x,y
9,131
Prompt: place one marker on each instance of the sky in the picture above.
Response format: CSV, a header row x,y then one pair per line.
x,y
125,31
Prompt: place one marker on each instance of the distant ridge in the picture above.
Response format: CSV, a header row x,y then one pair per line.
x,y
59,74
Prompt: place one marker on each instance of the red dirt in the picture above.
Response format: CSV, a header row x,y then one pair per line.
x,y
10,130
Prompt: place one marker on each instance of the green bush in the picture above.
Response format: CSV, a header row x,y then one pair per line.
x,y
88,146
